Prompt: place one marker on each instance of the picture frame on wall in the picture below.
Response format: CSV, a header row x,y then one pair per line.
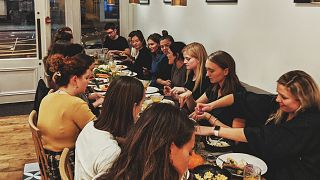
x,y
167,1
225,1
144,2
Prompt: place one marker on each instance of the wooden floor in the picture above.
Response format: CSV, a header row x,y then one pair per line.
x,y
16,146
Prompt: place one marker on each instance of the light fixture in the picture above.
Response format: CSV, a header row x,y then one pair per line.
x,y
134,1
179,2
111,2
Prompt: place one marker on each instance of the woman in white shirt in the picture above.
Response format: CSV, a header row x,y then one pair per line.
x,y
96,146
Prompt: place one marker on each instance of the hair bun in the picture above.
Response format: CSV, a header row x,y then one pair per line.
x,y
165,33
55,62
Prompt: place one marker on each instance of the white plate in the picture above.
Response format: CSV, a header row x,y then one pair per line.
x,y
130,73
167,101
151,89
149,95
103,81
106,67
246,157
122,67
100,88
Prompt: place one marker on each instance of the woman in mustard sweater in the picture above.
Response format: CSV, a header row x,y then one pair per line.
x,y
62,114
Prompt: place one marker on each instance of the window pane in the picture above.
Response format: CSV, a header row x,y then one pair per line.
x,y
17,29
94,15
57,14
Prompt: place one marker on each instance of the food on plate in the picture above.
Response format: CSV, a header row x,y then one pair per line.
x,y
195,160
234,166
102,75
101,71
210,176
98,81
217,142
102,87
156,98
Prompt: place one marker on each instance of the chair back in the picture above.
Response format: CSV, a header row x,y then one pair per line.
x,y
64,165
36,136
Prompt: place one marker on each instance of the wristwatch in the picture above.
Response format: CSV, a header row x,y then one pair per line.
x,y
216,130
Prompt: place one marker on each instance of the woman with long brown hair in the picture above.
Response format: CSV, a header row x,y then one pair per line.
x,y
96,145
158,147
221,71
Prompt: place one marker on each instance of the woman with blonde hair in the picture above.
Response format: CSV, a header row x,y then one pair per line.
x,y
290,141
195,56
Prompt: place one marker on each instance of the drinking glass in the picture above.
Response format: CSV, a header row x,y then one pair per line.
x,y
251,172
113,67
145,83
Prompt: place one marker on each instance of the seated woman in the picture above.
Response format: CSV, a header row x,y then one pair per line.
x,y
158,147
62,115
290,140
94,100
221,70
157,55
96,146
172,73
195,56
142,63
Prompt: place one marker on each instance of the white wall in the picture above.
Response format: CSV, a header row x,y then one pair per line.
x,y
266,37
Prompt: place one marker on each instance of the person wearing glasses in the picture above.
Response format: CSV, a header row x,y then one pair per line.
x,y
114,42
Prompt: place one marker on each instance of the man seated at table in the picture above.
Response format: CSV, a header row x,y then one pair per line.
x,y
115,43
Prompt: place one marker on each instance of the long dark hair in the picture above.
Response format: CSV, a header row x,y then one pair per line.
x,y
224,61
176,49
117,113
140,36
146,152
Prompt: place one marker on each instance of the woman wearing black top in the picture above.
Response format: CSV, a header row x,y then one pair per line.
x,y
195,56
172,71
221,70
142,63
290,141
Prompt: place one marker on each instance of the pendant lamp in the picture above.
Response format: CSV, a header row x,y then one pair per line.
x,y
134,1
111,2
179,2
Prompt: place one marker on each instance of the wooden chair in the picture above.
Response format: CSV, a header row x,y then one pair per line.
x,y
36,136
64,165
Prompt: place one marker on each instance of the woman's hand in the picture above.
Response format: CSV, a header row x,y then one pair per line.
x,y
166,83
178,90
98,102
167,90
203,115
94,96
204,107
184,97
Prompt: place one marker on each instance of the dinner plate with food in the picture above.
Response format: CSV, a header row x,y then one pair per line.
x,y
217,144
101,88
208,172
235,162
151,89
98,81
121,67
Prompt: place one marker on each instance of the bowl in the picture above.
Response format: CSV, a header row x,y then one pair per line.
x,y
217,144
156,98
